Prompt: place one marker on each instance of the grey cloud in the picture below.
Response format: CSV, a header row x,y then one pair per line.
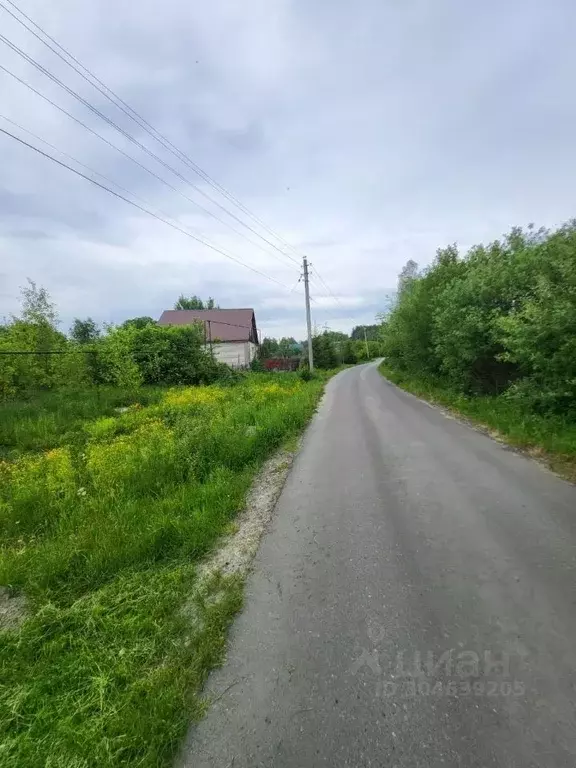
x,y
364,136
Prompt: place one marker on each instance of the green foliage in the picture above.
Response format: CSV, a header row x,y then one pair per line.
x,y
103,534
500,319
324,350
407,276
348,352
84,331
37,307
288,347
167,354
25,344
257,366
336,336
138,322
194,302
364,352
268,348
50,419
372,333
36,356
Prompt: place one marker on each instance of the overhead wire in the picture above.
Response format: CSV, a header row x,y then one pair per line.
x,y
81,164
130,112
143,209
151,130
16,49
136,117
326,286
125,154
101,175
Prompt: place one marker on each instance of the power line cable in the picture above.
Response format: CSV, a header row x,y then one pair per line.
x,y
126,155
142,208
123,106
139,144
81,164
326,286
102,176
127,135
136,117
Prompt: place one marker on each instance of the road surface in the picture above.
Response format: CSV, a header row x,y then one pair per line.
x,y
413,603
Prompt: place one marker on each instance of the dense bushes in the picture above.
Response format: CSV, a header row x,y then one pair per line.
x,y
157,354
501,319
35,355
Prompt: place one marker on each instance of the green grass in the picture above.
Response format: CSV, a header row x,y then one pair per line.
x,y
47,419
551,438
103,534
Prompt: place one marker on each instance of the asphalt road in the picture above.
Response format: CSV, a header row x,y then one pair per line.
x,y
413,603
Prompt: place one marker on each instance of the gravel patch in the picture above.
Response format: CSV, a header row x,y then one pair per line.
x,y
237,551
13,611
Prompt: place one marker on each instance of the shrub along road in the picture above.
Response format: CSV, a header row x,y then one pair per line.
x,y
413,603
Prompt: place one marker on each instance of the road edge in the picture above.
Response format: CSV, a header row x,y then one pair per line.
x,y
555,464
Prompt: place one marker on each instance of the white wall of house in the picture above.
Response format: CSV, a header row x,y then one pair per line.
x,y
238,354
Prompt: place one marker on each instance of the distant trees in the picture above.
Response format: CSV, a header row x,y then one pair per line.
x,y
138,322
324,350
372,332
268,348
194,302
331,348
501,318
288,347
84,331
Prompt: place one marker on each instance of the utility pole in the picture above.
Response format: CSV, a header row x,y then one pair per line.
x,y
308,318
367,347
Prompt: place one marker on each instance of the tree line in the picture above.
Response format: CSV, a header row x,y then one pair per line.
x,y
36,355
497,320
330,348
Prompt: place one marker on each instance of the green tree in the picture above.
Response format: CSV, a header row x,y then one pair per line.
x,y
37,306
40,362
372,332
268,348
159,355
324,350
408,274
288,347
84,331
347,352
138,322
194,302
502,318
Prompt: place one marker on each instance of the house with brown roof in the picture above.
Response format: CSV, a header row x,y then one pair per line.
x,y
230,333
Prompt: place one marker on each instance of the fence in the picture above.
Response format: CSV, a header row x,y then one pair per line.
x,y
281,363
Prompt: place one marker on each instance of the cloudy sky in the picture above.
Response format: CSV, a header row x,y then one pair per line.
x,y
363,133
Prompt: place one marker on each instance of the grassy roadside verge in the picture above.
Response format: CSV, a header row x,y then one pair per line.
x,y
102,535
549,439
